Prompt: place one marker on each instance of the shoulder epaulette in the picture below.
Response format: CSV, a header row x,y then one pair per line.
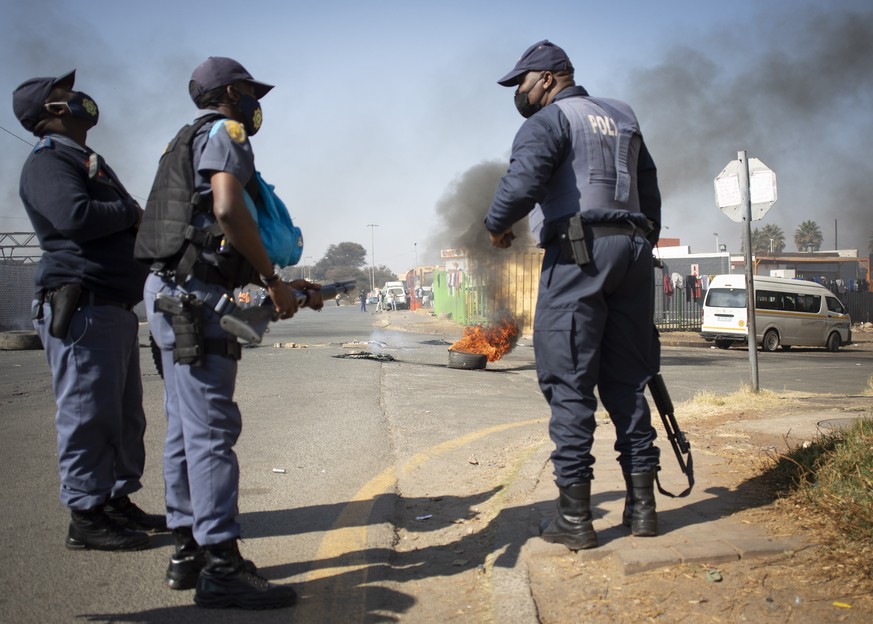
x,y
43,143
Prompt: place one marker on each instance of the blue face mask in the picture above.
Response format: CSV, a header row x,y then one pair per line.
x,y
250,109
81,106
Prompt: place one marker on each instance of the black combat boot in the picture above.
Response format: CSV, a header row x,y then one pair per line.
x,y
93,529
186,562
189,559
572,526
639,511
125,513
225,582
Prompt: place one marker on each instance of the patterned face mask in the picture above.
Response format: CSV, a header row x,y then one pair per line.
x,y
81,105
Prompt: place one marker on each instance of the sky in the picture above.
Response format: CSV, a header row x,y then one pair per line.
x,y
382,109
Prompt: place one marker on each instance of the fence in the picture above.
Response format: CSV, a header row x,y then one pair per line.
x,y
859,305
16,284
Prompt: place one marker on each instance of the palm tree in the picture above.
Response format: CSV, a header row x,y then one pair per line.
x,y
775,238
760,244
808,236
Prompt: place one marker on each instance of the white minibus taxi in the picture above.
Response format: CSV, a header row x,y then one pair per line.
x,y
788,312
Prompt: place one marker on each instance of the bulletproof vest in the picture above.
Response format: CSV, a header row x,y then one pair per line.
x,y
167,238
600,174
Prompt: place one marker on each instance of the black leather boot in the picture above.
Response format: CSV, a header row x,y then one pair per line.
x,y
92,529
225,582
572,526
642,519
628,515
189,558
124,512
186,562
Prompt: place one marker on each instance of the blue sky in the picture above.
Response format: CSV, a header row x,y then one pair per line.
x,y
380,107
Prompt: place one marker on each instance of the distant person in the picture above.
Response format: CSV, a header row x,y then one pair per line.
x,y
392,301
200,358
380,298
87,283
362,297
580,164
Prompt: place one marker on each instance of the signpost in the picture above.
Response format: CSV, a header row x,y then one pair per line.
x,y
745,190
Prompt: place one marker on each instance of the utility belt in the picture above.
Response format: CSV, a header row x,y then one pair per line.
x,y
574,236
186,312
204,272
64,302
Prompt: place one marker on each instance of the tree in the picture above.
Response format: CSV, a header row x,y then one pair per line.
x,y
761,240
774,232
808,236
348,261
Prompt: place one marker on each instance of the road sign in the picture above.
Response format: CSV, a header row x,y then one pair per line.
x,y
762,190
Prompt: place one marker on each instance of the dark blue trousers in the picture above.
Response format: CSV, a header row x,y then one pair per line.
x,y
98,390
201,472
594,327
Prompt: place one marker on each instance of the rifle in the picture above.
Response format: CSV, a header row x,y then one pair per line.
x,y
674,434
250,324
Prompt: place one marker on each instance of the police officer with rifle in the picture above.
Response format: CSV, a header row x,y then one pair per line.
x,y
581,170
202,242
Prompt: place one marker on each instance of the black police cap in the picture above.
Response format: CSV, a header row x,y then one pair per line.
x,y
543,55
219,71
30,96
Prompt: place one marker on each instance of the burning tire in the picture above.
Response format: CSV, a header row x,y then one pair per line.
x,y
467,360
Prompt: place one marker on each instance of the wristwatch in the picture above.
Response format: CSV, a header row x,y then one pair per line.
x,y
269,280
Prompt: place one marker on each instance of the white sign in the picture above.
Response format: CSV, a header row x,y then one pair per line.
x,y
762,190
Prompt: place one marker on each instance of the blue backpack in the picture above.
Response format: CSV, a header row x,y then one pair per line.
x,y
281,238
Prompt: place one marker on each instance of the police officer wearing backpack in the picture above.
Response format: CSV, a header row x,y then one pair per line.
x,y
87,284
580,167
202,242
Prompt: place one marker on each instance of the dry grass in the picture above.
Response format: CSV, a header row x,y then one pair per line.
x,y
830,481
707,403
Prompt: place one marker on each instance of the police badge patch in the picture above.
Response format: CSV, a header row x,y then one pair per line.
x,y
235,131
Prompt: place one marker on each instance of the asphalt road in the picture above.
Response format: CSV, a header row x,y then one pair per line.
x,y
328,447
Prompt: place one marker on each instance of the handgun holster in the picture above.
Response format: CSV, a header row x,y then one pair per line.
x,y
64,302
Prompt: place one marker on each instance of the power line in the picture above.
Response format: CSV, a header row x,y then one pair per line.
x,y
16,136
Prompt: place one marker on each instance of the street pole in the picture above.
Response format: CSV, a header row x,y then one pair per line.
x,y
746,203
716,241
372,227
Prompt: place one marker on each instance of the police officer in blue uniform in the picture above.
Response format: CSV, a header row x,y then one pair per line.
x,y
204,422
581,171
87,284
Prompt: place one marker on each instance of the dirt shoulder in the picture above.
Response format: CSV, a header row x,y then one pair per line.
x,y
829,581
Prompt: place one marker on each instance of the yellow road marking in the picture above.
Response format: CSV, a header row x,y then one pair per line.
x,y
348,535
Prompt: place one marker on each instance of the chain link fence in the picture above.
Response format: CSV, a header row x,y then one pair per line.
x,y
16,285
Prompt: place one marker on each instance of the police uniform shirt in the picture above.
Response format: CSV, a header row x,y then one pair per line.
x,y
541,145
222,147
84,223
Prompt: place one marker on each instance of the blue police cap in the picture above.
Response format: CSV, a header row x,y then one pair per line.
x,y
30,96
543,55
219,71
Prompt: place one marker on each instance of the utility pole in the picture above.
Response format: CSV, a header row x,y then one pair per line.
x,y
372,227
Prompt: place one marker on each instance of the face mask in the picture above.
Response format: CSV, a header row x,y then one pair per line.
x,y
81,106
523,104
250,109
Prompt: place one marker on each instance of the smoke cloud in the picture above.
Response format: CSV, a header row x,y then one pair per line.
x,y
800,102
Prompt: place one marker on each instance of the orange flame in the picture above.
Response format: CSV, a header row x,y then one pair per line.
x,y
492,341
